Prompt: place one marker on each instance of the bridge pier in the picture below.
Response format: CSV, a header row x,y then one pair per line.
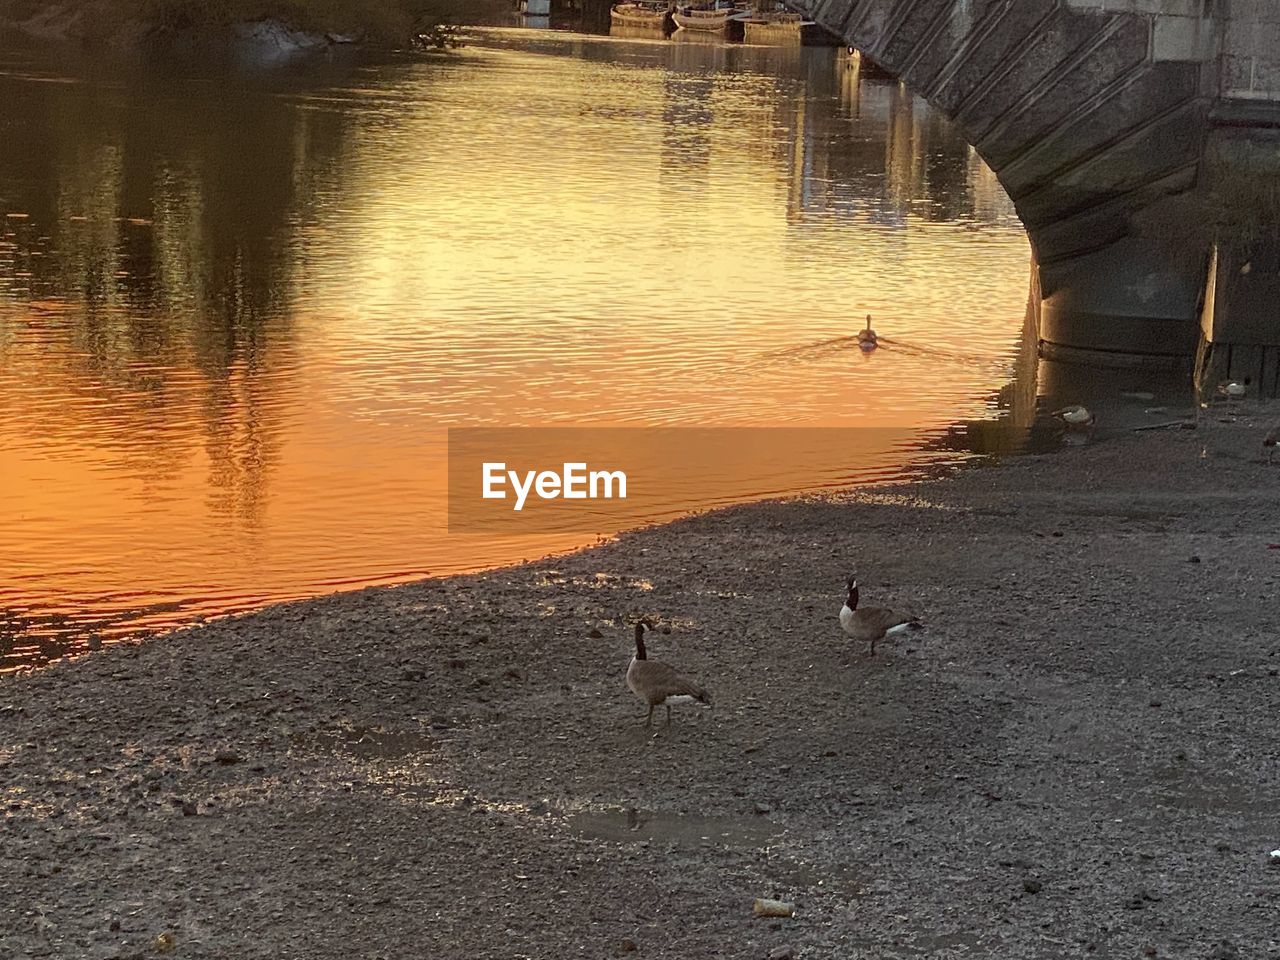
x,y
1241,304
1105,121
1243,290
1132,303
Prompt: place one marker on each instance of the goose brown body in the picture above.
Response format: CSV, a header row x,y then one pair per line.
x,y
658,683
867,339
872,624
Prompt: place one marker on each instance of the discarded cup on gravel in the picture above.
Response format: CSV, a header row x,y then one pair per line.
x,y
773,908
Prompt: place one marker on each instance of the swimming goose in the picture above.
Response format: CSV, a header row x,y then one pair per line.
x,y
656,682
873,623
867,337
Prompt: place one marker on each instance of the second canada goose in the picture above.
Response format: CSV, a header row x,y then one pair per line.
x,y
1233,389
1270,440
867,337
657,683
873,623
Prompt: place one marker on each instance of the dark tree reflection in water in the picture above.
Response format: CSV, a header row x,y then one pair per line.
x,y
167,266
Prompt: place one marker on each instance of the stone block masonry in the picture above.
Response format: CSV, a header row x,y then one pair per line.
x,y
1243,35
1250,68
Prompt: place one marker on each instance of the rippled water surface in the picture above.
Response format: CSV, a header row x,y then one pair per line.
x,y
237,315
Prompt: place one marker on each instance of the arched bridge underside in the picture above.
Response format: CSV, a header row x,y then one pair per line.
x,y
1095,115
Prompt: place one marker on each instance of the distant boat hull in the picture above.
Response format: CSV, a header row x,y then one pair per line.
x,y
638,15
706,21
787,30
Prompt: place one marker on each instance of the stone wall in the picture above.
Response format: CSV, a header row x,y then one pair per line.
x,y
1180,30
1245,33
1251,50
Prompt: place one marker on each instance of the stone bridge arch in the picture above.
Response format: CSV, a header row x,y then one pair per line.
x,y
1093,114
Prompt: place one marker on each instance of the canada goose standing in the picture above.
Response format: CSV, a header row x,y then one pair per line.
x,y
656,682
867,337
872,623
1270,440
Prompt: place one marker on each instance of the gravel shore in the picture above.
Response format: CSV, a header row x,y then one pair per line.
x,y
1079,757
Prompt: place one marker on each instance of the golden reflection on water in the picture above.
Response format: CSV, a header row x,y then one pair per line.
x,y
236,316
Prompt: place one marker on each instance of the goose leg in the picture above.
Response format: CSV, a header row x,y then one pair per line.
x,y
648,721
668,715
873,646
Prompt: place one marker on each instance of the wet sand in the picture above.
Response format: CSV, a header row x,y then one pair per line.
x,y
1079,757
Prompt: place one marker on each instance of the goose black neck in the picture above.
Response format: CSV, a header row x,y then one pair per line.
x,y
852,601
640,641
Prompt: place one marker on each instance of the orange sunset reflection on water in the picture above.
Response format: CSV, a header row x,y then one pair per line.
x,y
237,319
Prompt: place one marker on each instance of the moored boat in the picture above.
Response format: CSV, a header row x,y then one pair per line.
x,y
653,16
787,29
705,19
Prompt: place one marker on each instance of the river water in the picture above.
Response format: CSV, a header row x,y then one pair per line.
x,y
237,315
